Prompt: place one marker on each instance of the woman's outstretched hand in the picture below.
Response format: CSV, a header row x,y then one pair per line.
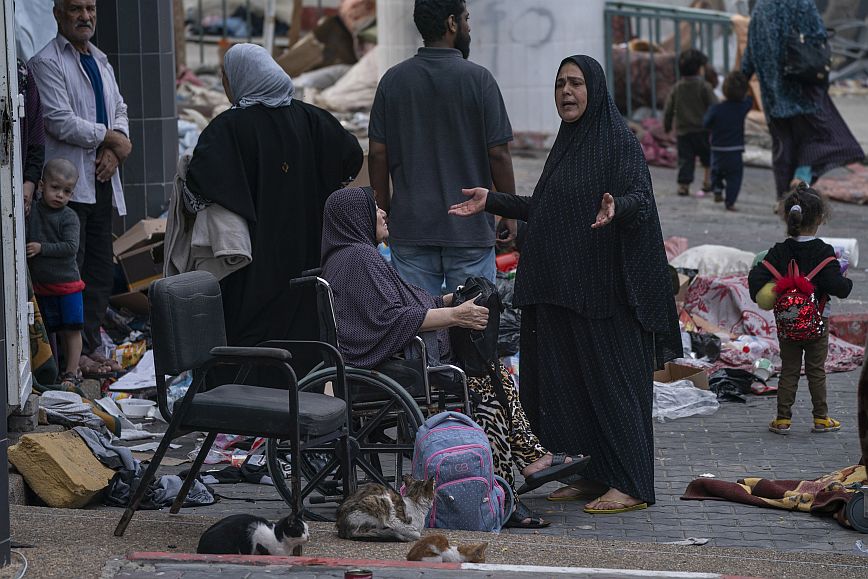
x,y
474,205
606,212
469,315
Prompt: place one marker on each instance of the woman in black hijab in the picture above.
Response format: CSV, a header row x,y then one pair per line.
x,y
378,315
593,285
273,160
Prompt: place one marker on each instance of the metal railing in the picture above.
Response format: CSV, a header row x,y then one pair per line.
x,y
701,28
202,39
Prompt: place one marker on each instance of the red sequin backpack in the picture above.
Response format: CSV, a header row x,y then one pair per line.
x,y
798,312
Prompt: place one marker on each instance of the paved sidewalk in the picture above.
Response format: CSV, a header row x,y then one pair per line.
x,y
731,444
172,566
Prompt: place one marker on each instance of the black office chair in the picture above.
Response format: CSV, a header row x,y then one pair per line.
x,y
189,334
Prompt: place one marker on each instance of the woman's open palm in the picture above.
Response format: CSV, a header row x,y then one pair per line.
x,y
474,205
606,212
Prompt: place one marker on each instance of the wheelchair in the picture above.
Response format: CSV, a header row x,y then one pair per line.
x,y
388,405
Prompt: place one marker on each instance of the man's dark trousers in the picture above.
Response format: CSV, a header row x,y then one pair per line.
x,y
95,261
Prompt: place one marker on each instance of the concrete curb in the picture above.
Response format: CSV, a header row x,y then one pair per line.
x,y
267,560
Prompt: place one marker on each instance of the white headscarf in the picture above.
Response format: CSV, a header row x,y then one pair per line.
x,y
255,78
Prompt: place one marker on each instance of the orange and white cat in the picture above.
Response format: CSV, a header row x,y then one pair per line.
x,y
436,549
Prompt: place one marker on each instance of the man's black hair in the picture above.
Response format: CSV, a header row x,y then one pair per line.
x,y
690,61
430,17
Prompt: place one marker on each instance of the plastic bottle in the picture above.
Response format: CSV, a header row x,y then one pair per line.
x,y
686,345
751,345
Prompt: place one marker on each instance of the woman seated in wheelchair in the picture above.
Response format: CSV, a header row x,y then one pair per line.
x,y
379,314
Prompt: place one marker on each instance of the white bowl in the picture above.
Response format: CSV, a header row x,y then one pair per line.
x,y
136,407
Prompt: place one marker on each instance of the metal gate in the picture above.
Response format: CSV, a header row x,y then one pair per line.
x,y
709,31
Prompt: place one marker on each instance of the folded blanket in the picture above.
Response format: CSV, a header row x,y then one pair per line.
x,y
827,495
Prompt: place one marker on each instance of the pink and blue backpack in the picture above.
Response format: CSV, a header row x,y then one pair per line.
x,y
455,451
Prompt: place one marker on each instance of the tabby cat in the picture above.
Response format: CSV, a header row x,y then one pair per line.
x,y
378,513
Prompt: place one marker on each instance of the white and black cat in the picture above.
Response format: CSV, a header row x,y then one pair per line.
x,y
378,513
252,535
435,548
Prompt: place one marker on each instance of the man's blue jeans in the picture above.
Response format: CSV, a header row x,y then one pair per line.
x,y
441,270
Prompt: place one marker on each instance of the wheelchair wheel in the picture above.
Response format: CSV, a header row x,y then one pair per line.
x,y
856,512
385,421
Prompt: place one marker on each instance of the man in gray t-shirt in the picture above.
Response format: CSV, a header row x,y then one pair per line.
x,y
438,125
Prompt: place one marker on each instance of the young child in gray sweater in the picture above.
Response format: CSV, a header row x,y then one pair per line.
x,y
52,247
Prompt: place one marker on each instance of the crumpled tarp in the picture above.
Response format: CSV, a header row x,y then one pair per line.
x,y
161,492
725,302
681,399
68,409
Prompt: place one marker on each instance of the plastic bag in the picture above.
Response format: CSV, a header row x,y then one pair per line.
x,y
681,399
731,384
705,346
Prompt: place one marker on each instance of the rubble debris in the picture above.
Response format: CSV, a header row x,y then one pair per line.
x,y
60,469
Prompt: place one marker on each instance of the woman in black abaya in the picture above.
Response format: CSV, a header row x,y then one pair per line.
x,y
593,284
273,160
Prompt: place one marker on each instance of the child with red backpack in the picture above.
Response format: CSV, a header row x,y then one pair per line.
x,y
796,279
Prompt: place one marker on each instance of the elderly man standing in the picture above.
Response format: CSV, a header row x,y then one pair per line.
x,y
86,123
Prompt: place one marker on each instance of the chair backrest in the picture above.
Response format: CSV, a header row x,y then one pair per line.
x,y
186,321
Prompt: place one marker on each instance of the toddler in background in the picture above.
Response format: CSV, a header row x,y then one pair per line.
x,y
687,104
725,121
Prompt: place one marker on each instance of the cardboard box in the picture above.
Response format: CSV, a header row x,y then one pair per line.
x,y
674,372
136,302
142,266
145,232
60,468
683,284
307,54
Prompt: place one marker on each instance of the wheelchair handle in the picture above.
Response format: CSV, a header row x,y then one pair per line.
x,y
312,272
300,281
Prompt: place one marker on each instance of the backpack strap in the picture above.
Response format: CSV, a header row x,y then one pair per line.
x,y
820,267
774,271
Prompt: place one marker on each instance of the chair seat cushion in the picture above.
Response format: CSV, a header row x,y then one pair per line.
x,y
255,410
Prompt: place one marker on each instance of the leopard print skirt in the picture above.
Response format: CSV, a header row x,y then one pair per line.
x,y
513,443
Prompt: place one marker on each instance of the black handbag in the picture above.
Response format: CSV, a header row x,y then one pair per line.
x,y
477,350
807,60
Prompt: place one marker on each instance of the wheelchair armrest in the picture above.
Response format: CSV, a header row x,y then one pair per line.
x,y
251,353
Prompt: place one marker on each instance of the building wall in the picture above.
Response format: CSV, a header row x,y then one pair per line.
x,y
520,42
137,36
